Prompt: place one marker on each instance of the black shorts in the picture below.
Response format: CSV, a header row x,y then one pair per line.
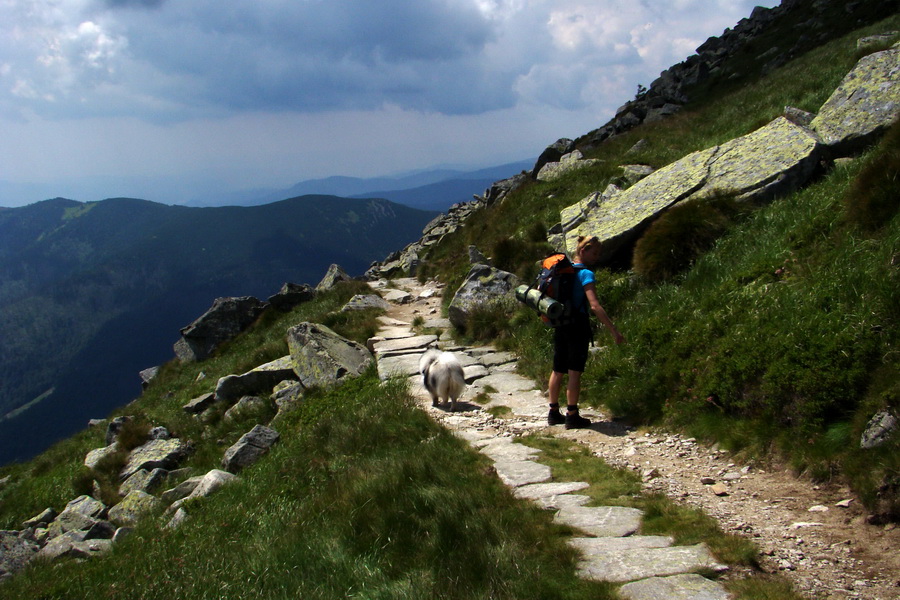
x,y
570,346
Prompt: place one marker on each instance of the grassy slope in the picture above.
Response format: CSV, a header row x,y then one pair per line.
x,y
780,338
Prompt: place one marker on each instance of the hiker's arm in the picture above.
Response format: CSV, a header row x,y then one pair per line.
x,y
591,294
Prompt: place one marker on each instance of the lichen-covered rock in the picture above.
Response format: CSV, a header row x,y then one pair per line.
x,y
143,480
771,161
249,406
290,295
878,430
364,301
572,161
15,552
322,357
156,454
93,458
134,506
864,104
256,382
200,403
334,275
484,286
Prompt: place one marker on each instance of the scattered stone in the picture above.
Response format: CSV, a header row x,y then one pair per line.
x,y
247,450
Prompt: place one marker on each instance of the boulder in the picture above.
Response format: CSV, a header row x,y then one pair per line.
x,y
484,286
222,322
258,381
572,161
93,458
247,450
322,357
290,295
148,375
162,454
114,427
133,507
200,403
771,161
364,301
334,275
552,153
42,519
878,430
248,406
15,552
143,480
863,106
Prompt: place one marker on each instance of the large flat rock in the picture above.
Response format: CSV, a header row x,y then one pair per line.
x,y
676,587
547,490
773,160
600,521
515,473
863,105
619,566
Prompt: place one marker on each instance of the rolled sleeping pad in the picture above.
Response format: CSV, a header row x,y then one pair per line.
x,y
533,298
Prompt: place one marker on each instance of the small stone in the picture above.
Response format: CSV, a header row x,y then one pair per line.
x,y
719,489
844,503
707,480
818,508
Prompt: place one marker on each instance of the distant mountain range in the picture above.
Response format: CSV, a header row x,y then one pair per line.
x,y
434,189
92,293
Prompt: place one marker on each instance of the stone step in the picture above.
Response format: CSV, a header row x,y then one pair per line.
x,y
619,566
676,587
601,521
515,473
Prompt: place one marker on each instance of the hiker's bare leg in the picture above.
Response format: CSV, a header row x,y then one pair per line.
x,y
573,389
554,387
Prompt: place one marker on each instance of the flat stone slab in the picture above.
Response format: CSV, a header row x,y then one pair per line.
x,y
631,565
591,546
437,323
411,343
546,490
563,501
395,333
401,365
506,383
492,359
676,587
600,521
473,372
503,449
515,473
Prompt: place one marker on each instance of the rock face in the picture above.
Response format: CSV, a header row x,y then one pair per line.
x,y
863,106
226,318
484,286
322,357
775,159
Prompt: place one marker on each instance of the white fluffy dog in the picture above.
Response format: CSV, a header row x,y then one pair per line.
x,y
443,376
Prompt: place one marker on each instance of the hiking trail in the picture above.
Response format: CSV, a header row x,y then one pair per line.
x,y
814,535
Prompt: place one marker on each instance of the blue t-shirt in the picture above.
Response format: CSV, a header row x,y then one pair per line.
x,y
585,277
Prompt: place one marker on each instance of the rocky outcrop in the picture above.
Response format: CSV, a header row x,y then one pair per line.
x,y
573,161
321,357
290,295
162,454
863,106
365,301
484,286
551,154
227,318
773,160
334,276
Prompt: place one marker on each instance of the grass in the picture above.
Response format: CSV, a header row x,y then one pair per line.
x,y
399,508
775,334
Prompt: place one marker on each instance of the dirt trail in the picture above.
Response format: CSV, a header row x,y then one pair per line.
x,y
814,535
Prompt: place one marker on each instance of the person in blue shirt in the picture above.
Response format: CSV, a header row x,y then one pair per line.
x,y
570,342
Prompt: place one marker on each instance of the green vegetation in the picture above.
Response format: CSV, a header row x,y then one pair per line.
x,y
774,330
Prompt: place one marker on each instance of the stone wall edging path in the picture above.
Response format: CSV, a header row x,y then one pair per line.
x,y
648,566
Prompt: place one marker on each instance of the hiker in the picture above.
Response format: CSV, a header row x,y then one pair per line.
x,y
570,342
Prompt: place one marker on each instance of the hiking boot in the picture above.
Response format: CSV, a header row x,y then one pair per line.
x,y
554,417
576,421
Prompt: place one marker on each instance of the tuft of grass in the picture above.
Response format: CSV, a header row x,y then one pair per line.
x,y
874,198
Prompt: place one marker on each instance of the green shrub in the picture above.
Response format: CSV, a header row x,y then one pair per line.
x,y
676,239
874,198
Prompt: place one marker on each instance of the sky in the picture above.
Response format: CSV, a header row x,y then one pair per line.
x,y
170,99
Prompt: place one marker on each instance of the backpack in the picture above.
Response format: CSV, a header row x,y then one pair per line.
x,y
557,280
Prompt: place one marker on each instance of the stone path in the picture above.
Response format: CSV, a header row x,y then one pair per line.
x,y
650,567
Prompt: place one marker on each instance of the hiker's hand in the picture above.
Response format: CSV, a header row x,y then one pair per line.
x,y
618,337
